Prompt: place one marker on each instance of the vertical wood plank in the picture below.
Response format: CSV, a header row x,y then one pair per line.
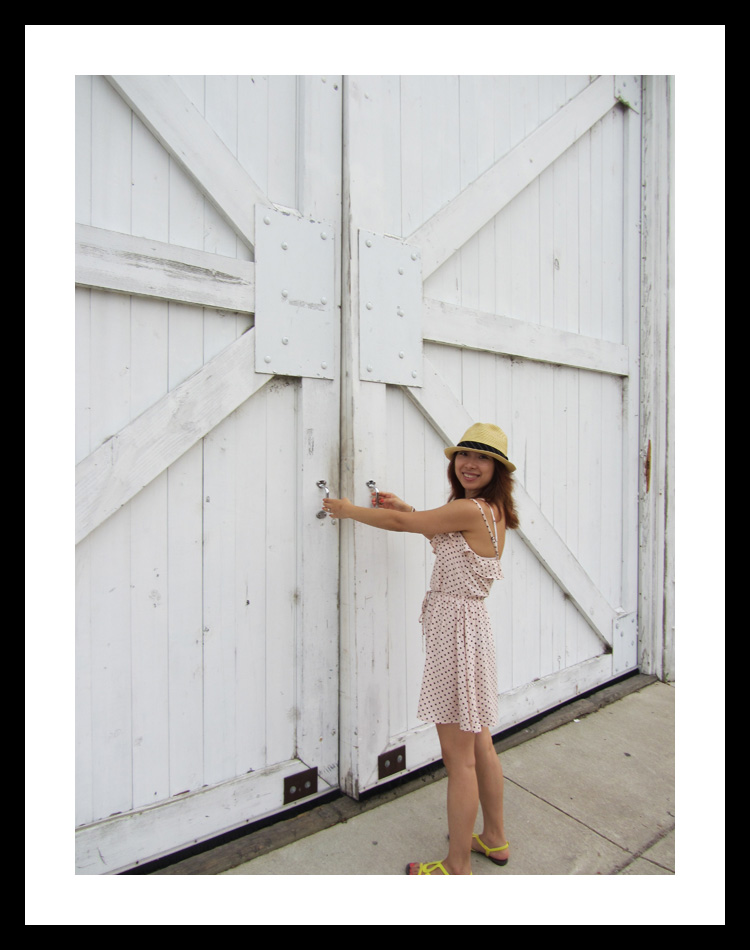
x,y
614,465
317,584
395,480
253,701
83,373
319,159
420,454
281,572
185,534
282,140
83,134
221,108
595,230
613,169
219,604
149,608
411,155
561,421
186,205
252,128
631,388
110,365
111,667
111,121
185,621
84,766
150,185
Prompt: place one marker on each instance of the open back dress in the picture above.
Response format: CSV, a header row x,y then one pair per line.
x,y
460,677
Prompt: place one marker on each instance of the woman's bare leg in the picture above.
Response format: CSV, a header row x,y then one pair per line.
x,y
463,795
490,783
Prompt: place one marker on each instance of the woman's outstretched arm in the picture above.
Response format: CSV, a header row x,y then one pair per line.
x,y
459,515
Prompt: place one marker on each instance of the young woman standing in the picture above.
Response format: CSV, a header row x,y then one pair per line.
x,y
459,686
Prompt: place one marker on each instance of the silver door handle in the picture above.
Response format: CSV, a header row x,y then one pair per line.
x,y
322,484
374,488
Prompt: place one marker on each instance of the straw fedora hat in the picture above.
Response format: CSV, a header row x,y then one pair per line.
x,y
487,439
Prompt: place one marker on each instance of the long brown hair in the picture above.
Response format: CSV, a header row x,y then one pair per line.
x,y
499,491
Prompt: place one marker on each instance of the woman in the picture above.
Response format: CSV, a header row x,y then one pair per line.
x,y
459,686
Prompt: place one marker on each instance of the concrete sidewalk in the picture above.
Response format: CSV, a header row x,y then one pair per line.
x,y
593,796
589,789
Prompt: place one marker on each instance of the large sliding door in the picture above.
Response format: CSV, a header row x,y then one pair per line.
x,y
207,621
517,199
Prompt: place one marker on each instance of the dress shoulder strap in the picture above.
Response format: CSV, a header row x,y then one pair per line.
x,y
492,534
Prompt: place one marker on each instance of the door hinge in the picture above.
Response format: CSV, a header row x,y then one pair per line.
x,y
300,785
391,762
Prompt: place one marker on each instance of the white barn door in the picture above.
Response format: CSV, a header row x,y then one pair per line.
x,y
518,200
207,412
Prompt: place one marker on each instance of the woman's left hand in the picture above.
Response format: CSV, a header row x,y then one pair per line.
x,y
336,507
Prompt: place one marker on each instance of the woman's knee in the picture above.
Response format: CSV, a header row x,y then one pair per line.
x,y
483,744
457,749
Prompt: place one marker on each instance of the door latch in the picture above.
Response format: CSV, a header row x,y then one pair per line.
x,y
374,488
322,484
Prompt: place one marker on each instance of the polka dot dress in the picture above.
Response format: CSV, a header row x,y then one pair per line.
x,y
460,677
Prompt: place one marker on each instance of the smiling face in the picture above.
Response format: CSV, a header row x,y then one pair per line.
x,y
474,471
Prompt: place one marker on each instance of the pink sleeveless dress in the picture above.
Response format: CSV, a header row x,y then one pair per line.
x,y
460,676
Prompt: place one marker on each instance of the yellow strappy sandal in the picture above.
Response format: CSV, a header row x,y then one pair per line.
x,y
488,851
427,868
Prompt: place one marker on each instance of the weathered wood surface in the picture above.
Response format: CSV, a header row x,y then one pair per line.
x,y
207,649
117,470
107,260
190,140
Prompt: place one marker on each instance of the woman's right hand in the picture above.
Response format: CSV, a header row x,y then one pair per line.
x,y
386,499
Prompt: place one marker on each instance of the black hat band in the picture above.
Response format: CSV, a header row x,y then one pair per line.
x,y
481,447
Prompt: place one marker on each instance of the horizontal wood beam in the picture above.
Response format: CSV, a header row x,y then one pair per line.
x,y
124,841
124,464
540,695
473,330
108,260
441,408
175,122
452,226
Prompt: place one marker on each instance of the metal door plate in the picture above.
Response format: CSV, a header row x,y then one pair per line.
x,y
391,762
300,785
295,309
625,643
390,311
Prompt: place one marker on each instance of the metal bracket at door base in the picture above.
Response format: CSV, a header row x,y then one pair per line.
x,y
625,643
391,762
300,785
